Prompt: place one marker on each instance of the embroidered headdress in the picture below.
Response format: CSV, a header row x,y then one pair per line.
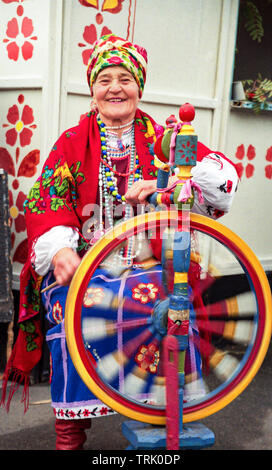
x,y
112,50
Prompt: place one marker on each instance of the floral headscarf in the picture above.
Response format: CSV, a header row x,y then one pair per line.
x,y
112,50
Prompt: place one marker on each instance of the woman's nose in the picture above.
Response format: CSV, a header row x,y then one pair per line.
x,y
115,86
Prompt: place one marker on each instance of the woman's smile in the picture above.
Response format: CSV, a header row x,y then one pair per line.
x,y
116,100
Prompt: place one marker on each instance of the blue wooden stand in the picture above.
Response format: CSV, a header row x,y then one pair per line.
x,y
146,436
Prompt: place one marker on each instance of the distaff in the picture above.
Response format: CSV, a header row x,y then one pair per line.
x,y
178,145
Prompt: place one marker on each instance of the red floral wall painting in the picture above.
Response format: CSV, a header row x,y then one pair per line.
x,y
90,36
19,35
18,130
244,167
20,124
113,6
19,41
93,31
268,168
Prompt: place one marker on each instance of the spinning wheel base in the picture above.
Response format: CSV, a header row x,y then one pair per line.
x,y
145,436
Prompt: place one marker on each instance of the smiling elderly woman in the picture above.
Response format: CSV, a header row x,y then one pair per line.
x,y
102,162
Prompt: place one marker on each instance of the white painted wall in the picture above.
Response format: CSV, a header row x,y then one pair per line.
x,y
251,215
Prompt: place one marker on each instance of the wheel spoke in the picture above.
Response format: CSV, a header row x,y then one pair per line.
x,y
135,382
241,307
221,362
195,388
238,331
99,328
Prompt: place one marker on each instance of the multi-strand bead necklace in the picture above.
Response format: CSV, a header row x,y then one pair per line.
x,y
108,190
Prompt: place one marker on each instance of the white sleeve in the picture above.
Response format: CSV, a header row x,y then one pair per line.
x,y
218,180
48,244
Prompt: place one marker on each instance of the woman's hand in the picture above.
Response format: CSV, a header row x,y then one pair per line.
x,y
139,191
65,263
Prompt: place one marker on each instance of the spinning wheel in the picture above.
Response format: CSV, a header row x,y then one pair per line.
x,y
229,331
185,278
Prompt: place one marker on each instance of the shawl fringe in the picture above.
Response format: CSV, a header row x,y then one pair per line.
x,y
17,378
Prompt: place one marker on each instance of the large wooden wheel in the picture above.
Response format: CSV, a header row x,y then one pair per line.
x,y
233,324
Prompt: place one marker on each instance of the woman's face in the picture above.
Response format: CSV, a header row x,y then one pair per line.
x,y
116,95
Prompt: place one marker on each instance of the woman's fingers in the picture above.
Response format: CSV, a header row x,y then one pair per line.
x,y
65,263
139,191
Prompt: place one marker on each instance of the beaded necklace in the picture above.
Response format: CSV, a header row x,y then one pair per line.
x,y
121,127
134,171
108,191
